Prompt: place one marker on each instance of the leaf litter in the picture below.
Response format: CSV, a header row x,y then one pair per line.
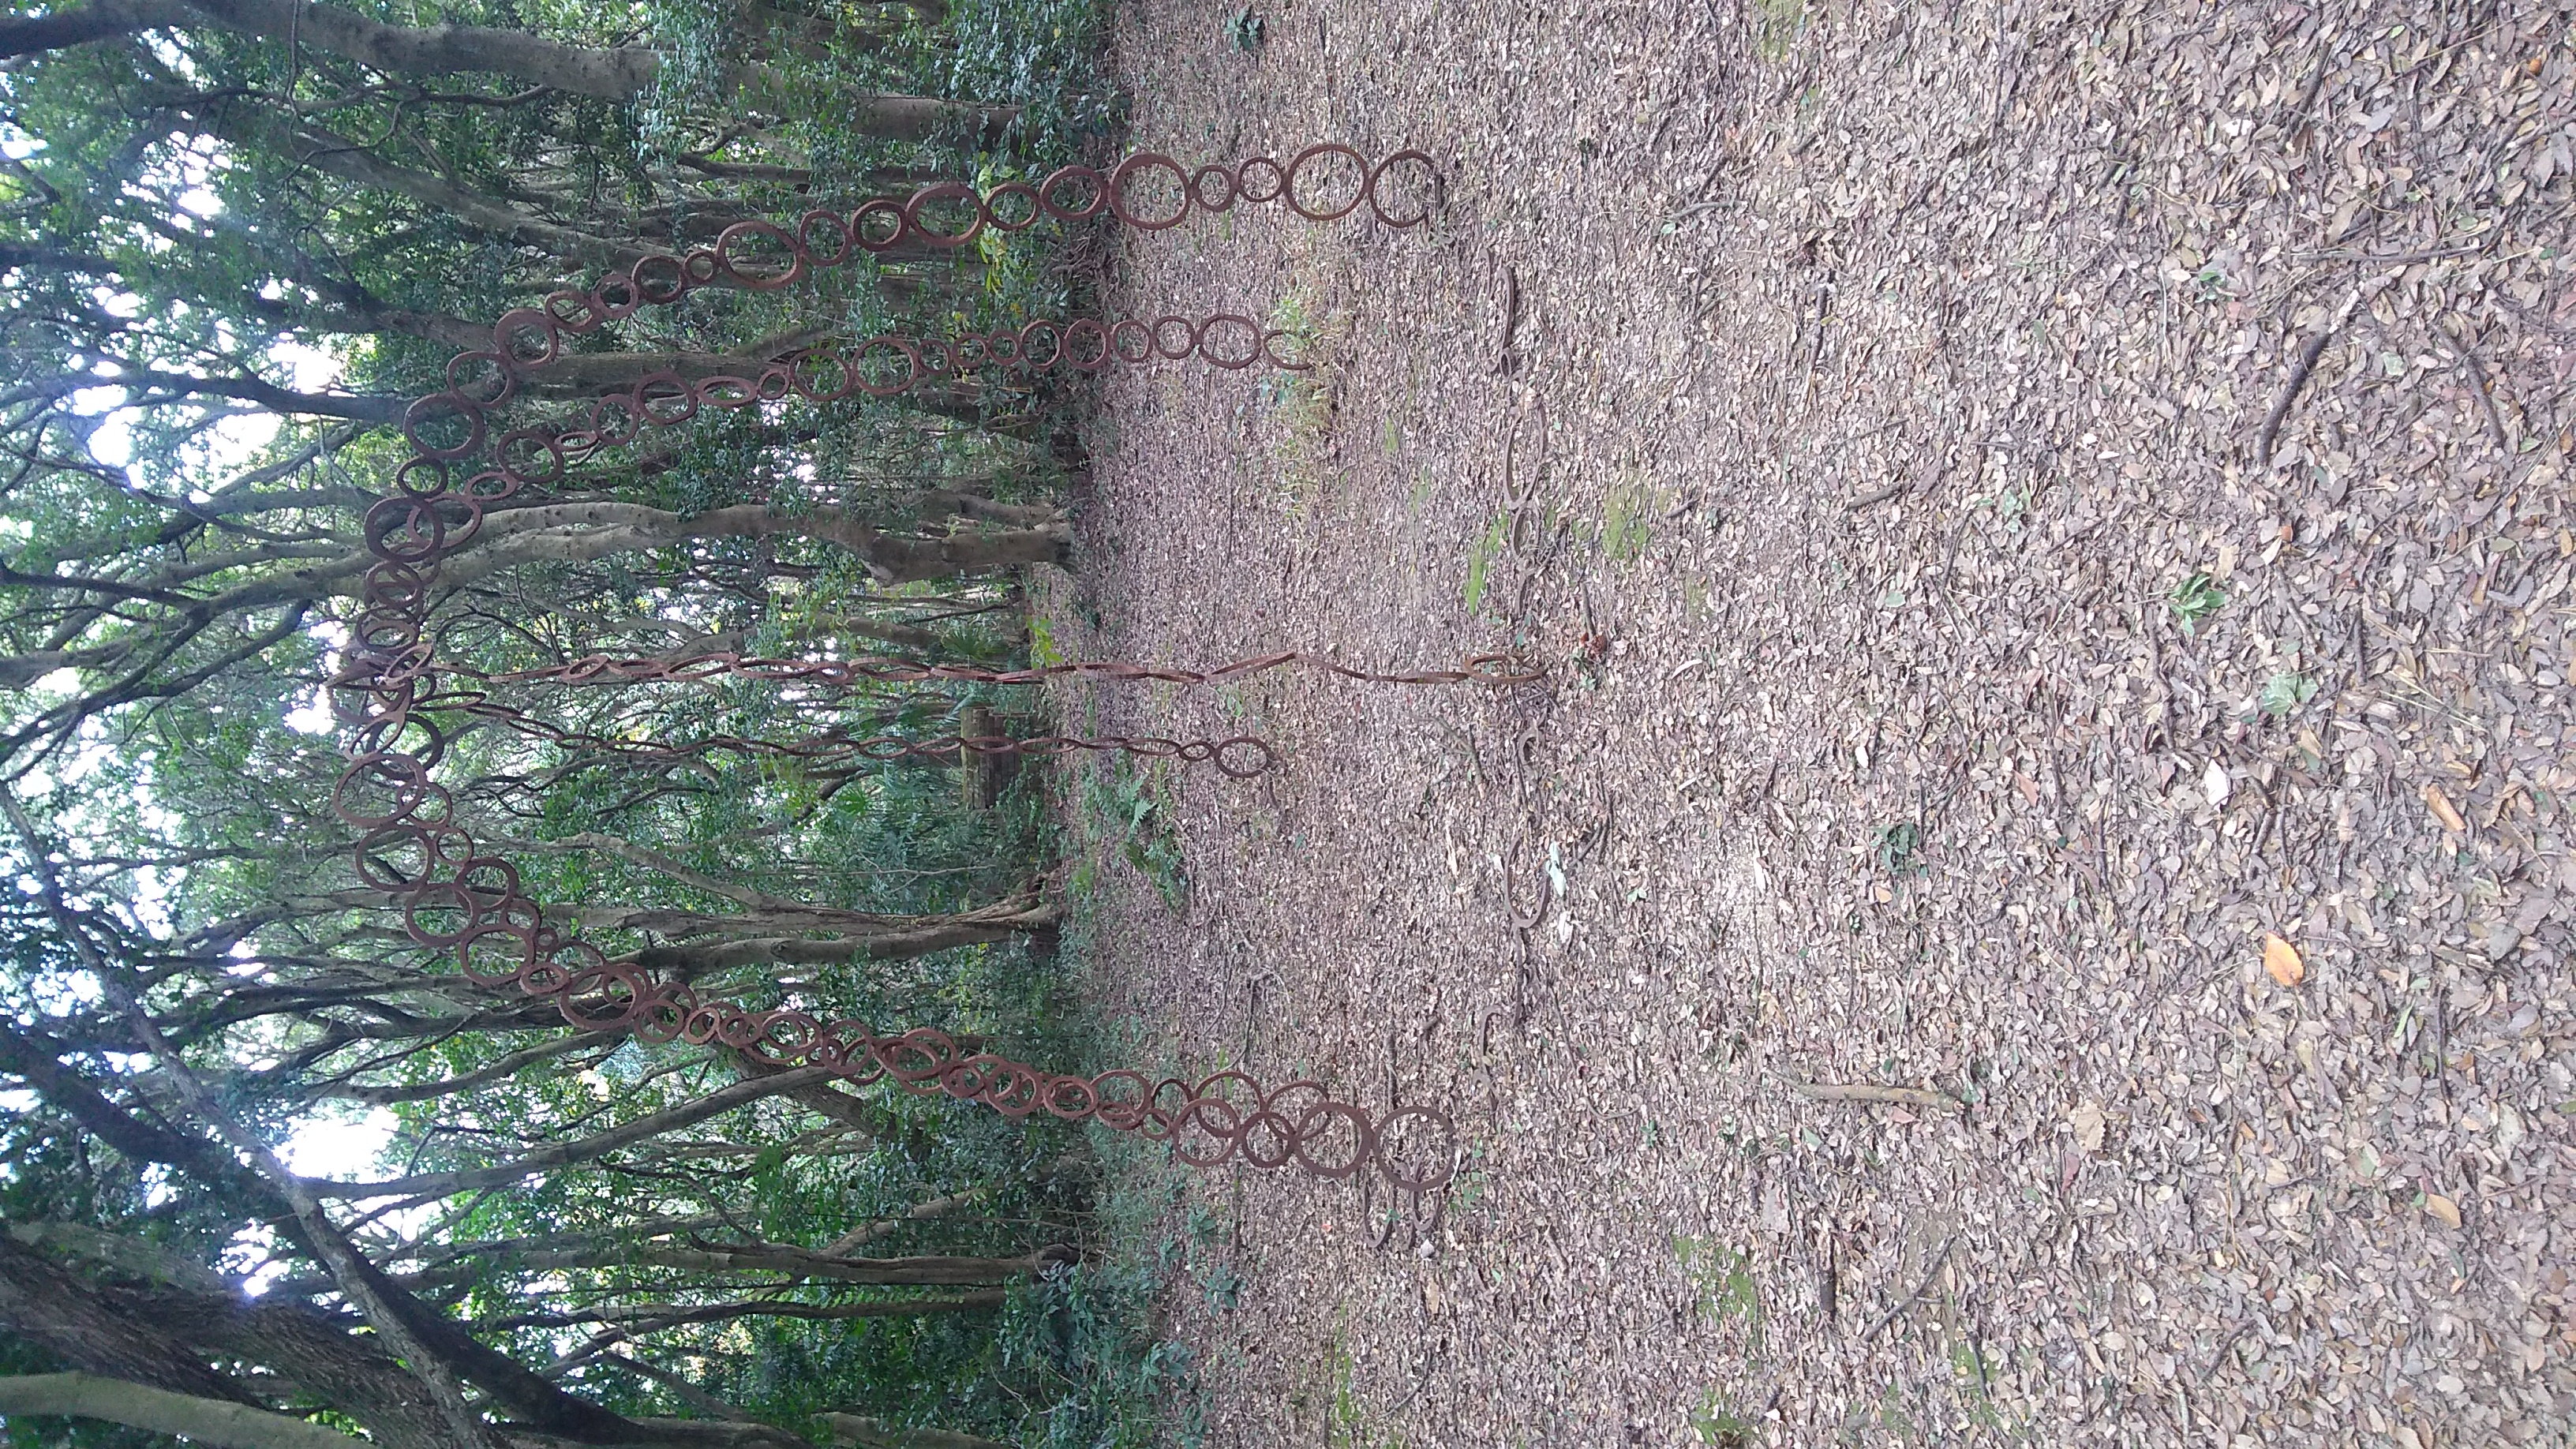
x,y
2219,359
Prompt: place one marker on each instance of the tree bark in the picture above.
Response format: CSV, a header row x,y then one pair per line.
x,y
206,1421
781,934
48,1306
146,386
590,373
120,1255
619,73
897,945
665,1315
578,533
335,156
935,1271
37,1059
867,1433
60,29
305,1348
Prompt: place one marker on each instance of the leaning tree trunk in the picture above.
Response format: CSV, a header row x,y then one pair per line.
x,y
137,1406
617,73
866,1433
158,1341
582,532
50,1307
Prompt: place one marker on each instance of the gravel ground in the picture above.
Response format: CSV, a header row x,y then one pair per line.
x,y
2019,504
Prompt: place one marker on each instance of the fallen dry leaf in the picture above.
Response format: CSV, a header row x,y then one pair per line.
x,y
2444,811
2088,1121
1957,708
2282,960
2215,784
2443,1208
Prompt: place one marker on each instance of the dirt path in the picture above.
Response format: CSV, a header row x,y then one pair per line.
x,y
1882,378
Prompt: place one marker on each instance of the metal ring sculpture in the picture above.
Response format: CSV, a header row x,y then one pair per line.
x,y
388,688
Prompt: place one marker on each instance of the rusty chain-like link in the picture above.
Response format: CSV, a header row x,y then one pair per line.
x,y
389,686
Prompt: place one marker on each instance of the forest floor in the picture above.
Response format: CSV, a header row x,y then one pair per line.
x,y
1863,412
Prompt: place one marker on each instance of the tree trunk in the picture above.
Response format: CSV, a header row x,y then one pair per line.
x,y
347,160
206,1421
158,1339
36,1059
579,533
936,1271
66,1315
665,1315
494,1071
61,28
867,1433
785,936
807,951
305,1349
620,73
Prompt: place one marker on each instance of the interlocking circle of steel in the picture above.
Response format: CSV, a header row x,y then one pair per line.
x,y
394,693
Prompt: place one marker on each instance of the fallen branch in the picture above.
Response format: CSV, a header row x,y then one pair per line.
x,y
1939,1260
1867,1092
2486,398
2308,356
1872,500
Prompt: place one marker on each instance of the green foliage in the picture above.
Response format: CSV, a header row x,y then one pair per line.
x,y
1897,846
1723,1277
1128,810
2285,691
1628,519
1717,1424
2194,599
1480,561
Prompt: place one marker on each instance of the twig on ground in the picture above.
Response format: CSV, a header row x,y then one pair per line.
x,y
1868,1092
2486,399
1939,1260
2391,258
1878,496
2307,363
1502,366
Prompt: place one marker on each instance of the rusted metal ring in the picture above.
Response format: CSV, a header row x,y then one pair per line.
x,y
1141,162
945,191
390,687
1312,154
731,267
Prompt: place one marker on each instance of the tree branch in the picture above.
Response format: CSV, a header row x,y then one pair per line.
x,y
566,1154
81,25
206,1421
671,1315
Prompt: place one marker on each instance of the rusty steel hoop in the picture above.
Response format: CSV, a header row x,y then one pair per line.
x,y
390,687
